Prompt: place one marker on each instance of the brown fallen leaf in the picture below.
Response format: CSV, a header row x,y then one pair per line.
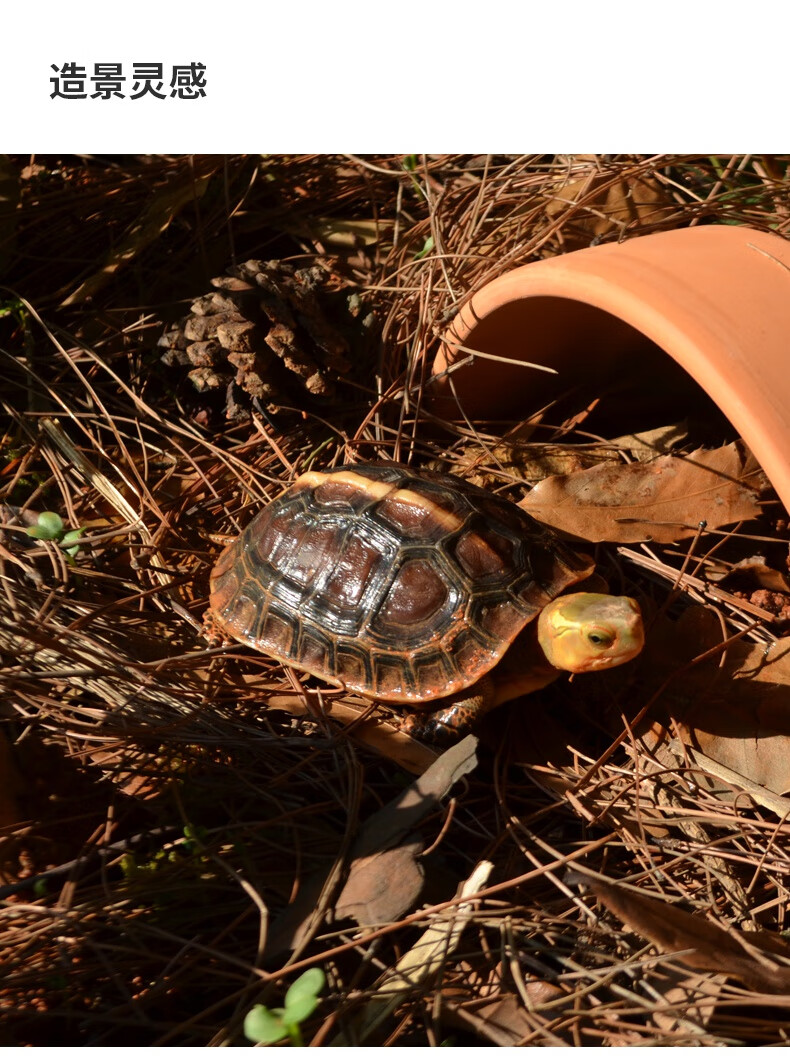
x,y
645,445
742,719
423,960
754,571
660,501
383,881
417,800
689,1000
523,461
600,204
693,940
504,1022
340,233
382,886
733,708
368,895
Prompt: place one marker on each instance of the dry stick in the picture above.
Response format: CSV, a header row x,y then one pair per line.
x,y
644,710
701,591
423,960
676,589
160,833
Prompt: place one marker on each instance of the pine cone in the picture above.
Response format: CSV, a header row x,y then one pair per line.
x,y
263,334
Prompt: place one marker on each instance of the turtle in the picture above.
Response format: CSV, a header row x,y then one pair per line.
x,y
415,589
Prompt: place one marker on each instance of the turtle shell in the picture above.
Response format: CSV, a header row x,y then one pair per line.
x,y
404,585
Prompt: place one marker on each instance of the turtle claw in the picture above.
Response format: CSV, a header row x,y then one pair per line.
x,y
429,728
212,633
454,717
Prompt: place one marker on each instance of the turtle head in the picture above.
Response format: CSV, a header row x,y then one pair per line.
x,y
590,632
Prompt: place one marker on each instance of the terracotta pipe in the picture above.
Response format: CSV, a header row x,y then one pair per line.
x,y
716,298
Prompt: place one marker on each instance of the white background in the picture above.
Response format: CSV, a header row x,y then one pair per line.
x,y
369,75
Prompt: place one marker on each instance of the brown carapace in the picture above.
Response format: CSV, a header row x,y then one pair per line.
x,y
406,586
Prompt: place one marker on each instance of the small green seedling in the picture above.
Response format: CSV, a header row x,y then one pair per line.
x,y
264,1026
50,528
410,163
13,308
427,247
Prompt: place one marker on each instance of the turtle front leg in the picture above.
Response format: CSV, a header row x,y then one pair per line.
x,y
212,633
453,716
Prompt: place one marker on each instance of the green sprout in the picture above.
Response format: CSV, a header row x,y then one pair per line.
x,y
264,1026
14,308
50,528
410,164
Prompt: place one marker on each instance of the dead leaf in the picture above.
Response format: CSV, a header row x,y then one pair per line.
x,y
660,501
692,939
365,894
340,233
754,570
742,719
524,462
383,881
424,959
381,887
688,1001
645,445
505,1022
599,205
517,456
336,232
418,800
731,709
